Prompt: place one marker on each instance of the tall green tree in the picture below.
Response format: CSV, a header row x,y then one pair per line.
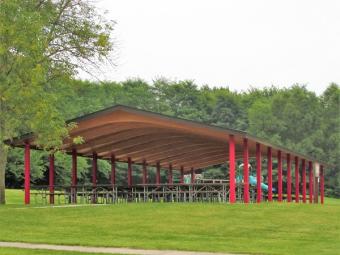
x,y
43,43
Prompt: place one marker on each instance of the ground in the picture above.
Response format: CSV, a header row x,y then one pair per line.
x,y
254,229
14,251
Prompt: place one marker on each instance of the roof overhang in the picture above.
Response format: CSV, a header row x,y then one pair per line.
x,y
142,135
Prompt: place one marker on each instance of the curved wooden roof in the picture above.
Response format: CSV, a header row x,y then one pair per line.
x,y
142,135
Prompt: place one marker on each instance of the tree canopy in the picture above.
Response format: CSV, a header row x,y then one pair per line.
x,y
43,43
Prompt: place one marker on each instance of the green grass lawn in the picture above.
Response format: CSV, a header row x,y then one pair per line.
x,y
259,229
15,251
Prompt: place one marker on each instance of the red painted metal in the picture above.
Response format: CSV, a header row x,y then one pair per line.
x,y
303,180
51,178
145,173
158,173
316,190
94,169
74,167
246,170
192,175
322,184
129,175
258,173
289,179
270,174
170,179
27,173
297,181
94,175
310,170
279,185
113,169
74,177
181,180
232,181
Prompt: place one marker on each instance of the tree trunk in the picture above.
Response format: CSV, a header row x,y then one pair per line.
x,y
3,162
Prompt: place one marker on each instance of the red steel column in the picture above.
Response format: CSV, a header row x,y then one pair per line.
x,y
232,194
322,184
258,173
246,170
289,179
158,173
113,169
181,180
297,181
74,177
74,167
303,180
316,189
94,169
170,181
27,173
279,163
51,178
310,169
129,175
94,176
145,174
270,174
192,175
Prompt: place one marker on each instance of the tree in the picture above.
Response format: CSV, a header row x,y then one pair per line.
x,y
43,43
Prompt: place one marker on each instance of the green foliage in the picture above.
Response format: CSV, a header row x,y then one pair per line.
x,y
42,45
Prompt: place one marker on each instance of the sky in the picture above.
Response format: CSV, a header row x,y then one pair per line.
x,y
221,43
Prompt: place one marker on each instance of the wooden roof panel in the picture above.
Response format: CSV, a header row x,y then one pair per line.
x,y
129,132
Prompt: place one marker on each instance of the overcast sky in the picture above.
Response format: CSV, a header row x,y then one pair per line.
x,y
227,43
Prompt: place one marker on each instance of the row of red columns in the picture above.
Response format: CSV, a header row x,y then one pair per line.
x,y
232,169
232,179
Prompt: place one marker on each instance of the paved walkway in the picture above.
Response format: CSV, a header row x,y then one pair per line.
x,y
102,249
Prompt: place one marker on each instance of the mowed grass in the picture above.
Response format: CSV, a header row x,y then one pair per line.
x,y
15,251
14,197
255,229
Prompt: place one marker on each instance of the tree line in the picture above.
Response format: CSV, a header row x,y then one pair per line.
x,y
292,117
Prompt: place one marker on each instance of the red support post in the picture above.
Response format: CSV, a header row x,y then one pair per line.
x,y
27,173
232,181
170,179
322,184
129,175
258,173
310,170
94,176
246,170
113,169
145,173
94,169
297,181
192,175
51,178
270,174
158,173
289,179
74,167
181,180
316,189
303,180
279,163
74,177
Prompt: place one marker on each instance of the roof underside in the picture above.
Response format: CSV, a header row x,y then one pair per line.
x,y
127,132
